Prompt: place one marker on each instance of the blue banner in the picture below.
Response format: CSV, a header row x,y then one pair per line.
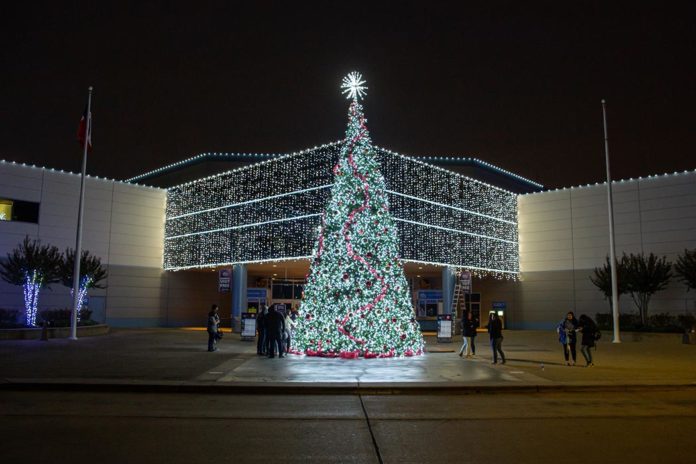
x,y
430,295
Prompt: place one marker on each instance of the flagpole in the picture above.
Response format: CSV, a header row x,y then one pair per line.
x,y
612,247
81,208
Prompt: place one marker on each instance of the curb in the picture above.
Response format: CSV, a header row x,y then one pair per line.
x,y
320,389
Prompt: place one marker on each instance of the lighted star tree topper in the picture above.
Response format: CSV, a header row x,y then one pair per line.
x,y
356,301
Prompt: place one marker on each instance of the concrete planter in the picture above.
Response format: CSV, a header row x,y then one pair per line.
x,y
54,332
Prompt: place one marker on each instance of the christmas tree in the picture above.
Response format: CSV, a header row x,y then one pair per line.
x,y
356,301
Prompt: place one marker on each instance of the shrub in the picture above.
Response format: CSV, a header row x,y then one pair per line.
x,y
687,321
56,317
603,321
8,318
663,322
61,317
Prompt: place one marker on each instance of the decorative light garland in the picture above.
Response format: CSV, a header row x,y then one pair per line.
x,y
31,287
229,218
85,282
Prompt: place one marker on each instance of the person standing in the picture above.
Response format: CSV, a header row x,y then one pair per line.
x,y
289,328
212,328
495,332
589,329
567,336
468,332
261,328
275,326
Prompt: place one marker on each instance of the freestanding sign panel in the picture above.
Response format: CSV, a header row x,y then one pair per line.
x,y
248,326
444,328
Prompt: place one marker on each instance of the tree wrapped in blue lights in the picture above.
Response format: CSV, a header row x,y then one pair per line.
x,y
356,301
33,266
92,273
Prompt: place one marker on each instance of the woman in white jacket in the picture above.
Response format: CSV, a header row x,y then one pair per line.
x,y
289,330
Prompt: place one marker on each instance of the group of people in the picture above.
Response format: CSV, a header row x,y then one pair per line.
x,y
568,329
469,324
275,331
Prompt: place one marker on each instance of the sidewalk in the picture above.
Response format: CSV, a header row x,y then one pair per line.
x,y
177,359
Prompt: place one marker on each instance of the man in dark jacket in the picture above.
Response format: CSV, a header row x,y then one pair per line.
x,y
261,327
495,332
275,326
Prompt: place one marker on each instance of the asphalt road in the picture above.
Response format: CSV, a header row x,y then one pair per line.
x,y
597,427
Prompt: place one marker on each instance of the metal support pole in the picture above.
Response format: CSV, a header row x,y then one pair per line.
x,y
239,295
612,247
78,238
447,290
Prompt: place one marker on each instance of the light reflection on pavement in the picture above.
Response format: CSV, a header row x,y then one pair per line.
x,y
430,368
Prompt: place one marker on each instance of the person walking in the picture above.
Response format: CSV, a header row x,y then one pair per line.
x,y
473,333
567,336
495,332
468,332
589,330
212,328
261,328
275,326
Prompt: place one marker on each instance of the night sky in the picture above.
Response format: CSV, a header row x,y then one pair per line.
x,y
516,84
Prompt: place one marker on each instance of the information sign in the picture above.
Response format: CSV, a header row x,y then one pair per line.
x,y
444,328
248,326
434,295
256,293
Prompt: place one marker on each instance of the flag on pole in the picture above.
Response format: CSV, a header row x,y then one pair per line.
x,y
84,130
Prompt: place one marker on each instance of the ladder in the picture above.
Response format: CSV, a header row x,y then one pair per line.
x,y
460,289
457,294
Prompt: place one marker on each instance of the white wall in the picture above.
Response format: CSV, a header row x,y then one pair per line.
x,y
564,235
123,225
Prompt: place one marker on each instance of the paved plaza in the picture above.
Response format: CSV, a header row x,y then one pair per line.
x,y
178,357
157,395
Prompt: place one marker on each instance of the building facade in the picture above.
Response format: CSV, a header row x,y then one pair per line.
x,y
564,236
270,211
159,275
123,226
